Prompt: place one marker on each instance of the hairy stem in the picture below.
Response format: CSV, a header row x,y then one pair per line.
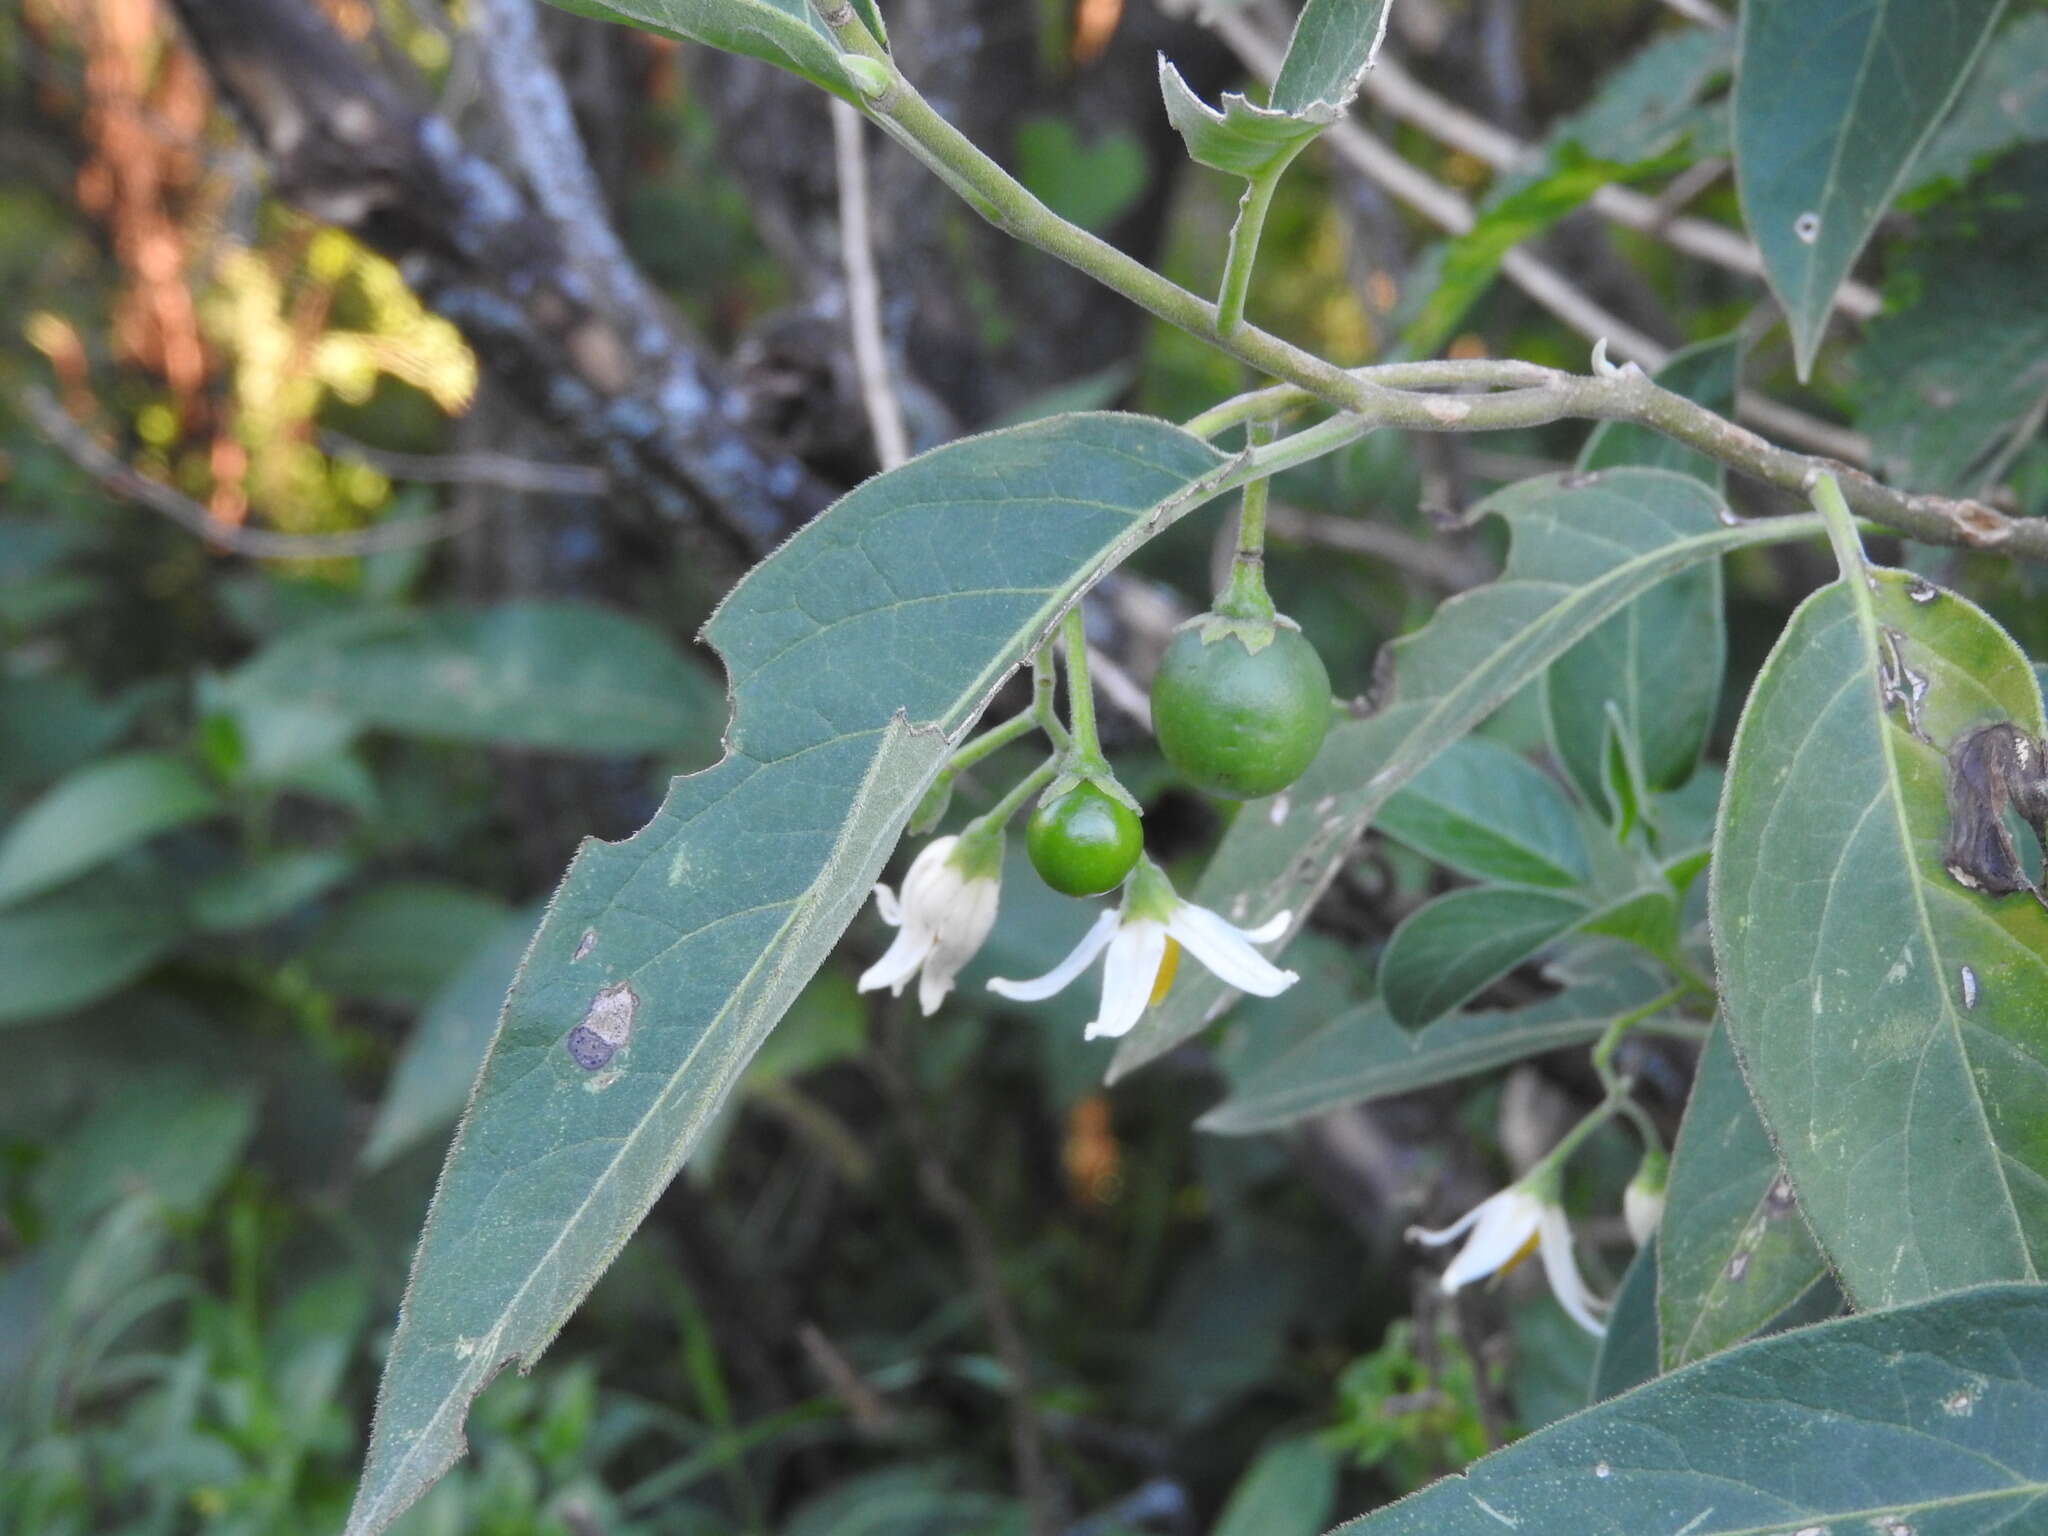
x,y
1243,255
1624,394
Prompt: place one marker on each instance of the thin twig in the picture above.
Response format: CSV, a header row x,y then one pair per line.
x,y
1120,688
1535,277
1444,567
125,481
871,1415
500,471
864,291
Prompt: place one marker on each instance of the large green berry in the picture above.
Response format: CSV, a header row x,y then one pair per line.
x,y
1239,722
1085,842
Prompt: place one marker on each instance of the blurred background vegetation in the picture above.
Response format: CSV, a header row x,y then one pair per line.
x,y
331,626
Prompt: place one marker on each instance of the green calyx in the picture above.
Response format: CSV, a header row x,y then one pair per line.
x,y
1083,842
1240,715
979,853
1150,894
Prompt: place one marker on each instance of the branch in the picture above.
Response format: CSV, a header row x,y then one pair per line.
x,y
864,291
121,479
1613,394
552,307
1390,86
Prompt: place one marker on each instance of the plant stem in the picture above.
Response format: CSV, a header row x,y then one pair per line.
x,y
1610,1042
997,816
1244,247
1044,681
1087,748
1245,596
992,740
1624,394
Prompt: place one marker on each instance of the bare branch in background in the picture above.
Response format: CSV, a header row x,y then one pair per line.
x,y
553,307
864,291
121,479
1534,276
499,470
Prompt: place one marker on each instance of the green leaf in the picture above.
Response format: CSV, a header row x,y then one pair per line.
x,y
1466,266
1334,44
1289,1490
2004,104
1089,184
269,887
859,653
1489,813
1477,651
1362,1054
399,943
569,677
166,1133
1924,1420
779,32
1658,662
1240,138
1462,942
1914,1124
1833,99
100,811
1953,376
1628,1350
1635,127
431,1080
84,942
1735,1251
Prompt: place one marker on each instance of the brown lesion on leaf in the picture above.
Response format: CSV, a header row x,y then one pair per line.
x,y
1992,769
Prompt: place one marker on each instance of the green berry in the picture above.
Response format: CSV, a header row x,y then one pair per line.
x,y
1083,843
1238,722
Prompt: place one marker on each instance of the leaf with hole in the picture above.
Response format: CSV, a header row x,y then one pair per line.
x,y
1887,1018
1833,100
1924,1420
1476,652
859,654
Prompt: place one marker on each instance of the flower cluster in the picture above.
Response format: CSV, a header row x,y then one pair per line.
x,y
948,906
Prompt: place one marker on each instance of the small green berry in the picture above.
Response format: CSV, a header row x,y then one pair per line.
x,y
1083,843
1238,722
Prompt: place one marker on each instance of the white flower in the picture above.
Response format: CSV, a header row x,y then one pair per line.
x,y
1504,1228
948,908
1144,940
1642,1203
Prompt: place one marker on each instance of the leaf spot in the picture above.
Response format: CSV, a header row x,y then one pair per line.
x,y
1811,1530
1806,228
607,1025
1960,1404
586,944
1601,1469
1278,814
1969,975
1778,1198
1922,591
1738,1266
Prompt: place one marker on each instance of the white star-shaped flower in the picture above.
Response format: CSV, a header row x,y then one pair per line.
x,y
1504,1228
1143,940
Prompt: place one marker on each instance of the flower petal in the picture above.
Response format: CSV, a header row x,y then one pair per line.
x,y
1562,1270
1506,1222
1135,955
1438,1236
1038,989
899,963
886,904
1225,950
1271,929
